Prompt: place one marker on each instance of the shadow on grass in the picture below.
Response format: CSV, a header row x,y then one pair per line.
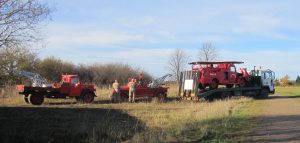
x,y
141,100
282,97
243,129
31,124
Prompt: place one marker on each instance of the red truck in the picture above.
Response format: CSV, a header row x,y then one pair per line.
x,y
145,91
153,90
69,87
213,74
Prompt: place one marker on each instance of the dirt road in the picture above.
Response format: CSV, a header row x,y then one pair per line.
x,y
280,120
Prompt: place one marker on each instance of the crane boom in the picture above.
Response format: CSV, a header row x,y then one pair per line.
x,y
37,80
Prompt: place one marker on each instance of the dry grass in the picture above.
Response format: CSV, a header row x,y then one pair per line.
x,y
58,120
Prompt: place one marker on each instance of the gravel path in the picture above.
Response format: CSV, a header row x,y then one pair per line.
x,y
280,121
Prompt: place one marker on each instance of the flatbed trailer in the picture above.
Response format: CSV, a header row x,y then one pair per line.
x,y
259,87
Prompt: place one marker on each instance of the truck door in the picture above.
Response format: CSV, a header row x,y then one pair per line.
x,y
75,87
232,74
268,79
144,91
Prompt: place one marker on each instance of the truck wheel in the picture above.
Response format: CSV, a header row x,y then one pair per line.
x,y
25,97
88,97
243,82
229,85
160,98
36,99
214,84
264,93
124,98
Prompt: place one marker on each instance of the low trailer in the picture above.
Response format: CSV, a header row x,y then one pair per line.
x,y
260,85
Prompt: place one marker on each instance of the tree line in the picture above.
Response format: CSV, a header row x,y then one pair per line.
x,y
52,68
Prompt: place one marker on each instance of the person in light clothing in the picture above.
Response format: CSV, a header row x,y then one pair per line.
x,y
116,92
132,89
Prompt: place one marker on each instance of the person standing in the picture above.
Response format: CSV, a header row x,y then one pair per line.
x,y
116,92
141,79
132,89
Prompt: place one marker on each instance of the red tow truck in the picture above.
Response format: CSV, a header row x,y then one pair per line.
x,y
257,83
153,90
69,87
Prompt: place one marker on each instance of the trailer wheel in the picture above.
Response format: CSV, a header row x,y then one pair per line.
x,y
36,99
88,97
25,97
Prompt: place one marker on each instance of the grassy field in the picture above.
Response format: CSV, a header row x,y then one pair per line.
x,y
173,121
288,91
292,91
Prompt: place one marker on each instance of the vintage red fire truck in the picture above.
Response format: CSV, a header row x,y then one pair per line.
x,y
213,74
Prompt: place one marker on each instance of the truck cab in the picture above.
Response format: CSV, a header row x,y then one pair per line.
x,y
268,80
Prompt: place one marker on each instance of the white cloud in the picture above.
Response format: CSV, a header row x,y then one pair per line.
x,y
94,38
64,35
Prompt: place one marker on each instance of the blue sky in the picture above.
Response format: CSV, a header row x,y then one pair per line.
x,y
144,33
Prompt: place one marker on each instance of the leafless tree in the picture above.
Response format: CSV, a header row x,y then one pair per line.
x,y
208,52
15,58
177,63
20,21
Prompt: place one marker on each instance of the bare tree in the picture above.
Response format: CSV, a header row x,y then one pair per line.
x,y
20,20
16,58
177,63
208,52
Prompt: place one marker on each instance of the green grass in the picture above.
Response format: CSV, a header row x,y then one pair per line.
x,y
288,91
292,91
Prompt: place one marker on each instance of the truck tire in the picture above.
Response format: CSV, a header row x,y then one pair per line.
x,y
214,84
264,93
229,85
88,97
124,98
243,82
35,99
25,97
160,98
